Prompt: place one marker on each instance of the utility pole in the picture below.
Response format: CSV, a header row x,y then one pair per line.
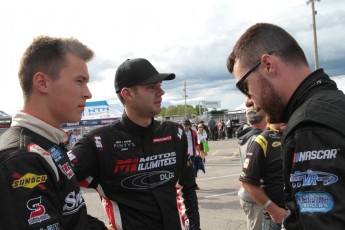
x,y
185,99
316,58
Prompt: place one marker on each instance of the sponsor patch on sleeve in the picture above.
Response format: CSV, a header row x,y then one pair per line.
x,y
246,163
56,154
37,211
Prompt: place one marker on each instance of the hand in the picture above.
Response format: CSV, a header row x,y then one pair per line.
x,y
277,213
110,227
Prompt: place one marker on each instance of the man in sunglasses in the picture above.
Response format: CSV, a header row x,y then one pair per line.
x,y
271,69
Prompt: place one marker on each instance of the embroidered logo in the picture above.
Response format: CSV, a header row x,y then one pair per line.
x,y
38,211
314,201
29,180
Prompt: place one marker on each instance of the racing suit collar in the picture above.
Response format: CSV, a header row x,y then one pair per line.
x,y
134,128
40,127
316,81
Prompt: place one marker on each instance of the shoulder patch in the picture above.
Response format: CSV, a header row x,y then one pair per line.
x,y
262,142
34,148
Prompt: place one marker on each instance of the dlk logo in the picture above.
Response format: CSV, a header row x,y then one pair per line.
x,y
147,180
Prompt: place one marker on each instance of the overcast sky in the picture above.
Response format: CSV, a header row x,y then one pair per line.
x,y
189,38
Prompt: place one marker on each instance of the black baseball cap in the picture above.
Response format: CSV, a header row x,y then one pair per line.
x,y
138,71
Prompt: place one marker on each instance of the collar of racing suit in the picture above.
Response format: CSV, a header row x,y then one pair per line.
x,y
40,127
316,81
134,128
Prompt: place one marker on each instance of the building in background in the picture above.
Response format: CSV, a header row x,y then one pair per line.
x,y
96,114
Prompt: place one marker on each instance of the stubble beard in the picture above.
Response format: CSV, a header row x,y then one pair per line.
x,y
272,104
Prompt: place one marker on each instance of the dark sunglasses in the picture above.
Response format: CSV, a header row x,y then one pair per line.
x,y
243,87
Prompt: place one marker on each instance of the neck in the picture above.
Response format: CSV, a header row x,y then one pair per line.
x,y
138,119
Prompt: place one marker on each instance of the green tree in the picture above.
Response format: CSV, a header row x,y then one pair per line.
x,y
200,109
178,110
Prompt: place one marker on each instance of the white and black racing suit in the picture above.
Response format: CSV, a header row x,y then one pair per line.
x,y
38,187
143,174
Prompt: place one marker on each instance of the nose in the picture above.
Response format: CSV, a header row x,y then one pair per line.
x,y
161,92
87,92
249,102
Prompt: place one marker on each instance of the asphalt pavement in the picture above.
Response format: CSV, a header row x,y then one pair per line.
x,y
218,202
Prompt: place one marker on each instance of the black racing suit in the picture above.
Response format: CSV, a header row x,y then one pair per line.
x,y
143,174
38,187
246,135
314,156
263,166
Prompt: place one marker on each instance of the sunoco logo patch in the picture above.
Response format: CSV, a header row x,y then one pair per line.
x,y
29,180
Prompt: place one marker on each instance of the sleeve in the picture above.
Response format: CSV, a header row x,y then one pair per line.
x,y
85,162
187,181
253,165
314,160
30,195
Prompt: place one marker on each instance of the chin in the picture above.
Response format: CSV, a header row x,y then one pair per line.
x,y
75,119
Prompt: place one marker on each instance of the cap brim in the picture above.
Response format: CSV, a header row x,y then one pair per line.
x,y
158,77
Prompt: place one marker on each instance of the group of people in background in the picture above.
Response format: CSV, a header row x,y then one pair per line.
x,y
142,168
220,130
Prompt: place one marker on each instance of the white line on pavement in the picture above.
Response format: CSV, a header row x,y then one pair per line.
x,y
223,194
212,178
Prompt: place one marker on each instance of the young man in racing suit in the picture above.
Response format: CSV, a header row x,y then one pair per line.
x,y
140,166
272,70
38,187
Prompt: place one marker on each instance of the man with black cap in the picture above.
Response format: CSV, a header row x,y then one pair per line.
x,y
138,165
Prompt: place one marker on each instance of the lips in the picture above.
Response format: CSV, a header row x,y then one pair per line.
x,y
82,107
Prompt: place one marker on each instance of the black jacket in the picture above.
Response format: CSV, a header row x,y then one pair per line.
x,y
38,187
314,156
144,174
246,135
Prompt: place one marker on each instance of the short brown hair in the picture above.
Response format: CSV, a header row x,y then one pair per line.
x,y
48,55
263,38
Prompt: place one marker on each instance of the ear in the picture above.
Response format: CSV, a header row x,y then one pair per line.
x,y
270,64
40,82
126,93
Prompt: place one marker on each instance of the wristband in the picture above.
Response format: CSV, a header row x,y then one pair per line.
x,y
267,203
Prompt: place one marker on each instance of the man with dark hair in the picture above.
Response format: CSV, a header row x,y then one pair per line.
x,y
271,69
38,186
140,166
246,135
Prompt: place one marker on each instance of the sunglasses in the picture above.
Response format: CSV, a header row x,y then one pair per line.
x,y
243,87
